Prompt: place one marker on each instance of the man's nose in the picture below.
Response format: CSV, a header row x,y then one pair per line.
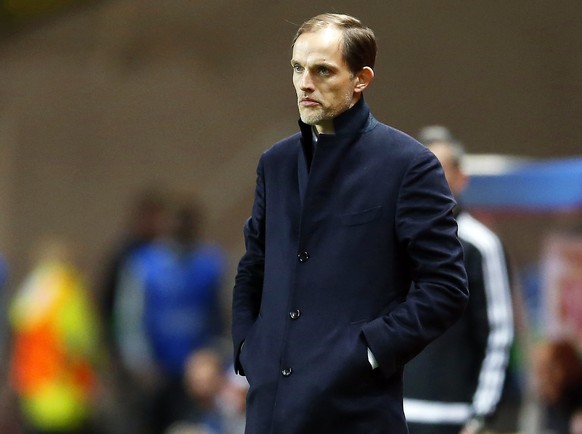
x,y
306,82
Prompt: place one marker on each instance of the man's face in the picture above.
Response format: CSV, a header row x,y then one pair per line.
x,y
323,81
456,178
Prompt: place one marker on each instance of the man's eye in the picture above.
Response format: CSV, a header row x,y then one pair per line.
x,y
323,70
297,68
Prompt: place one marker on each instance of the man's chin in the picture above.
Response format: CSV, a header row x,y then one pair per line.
x,y
309,118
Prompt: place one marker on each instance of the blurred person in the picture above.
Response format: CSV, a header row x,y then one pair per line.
x,y
434,133
205,380
187,428
3,273
218,397
348,214
168,306
8,408
147,223
557,370
576,420
455,385
233,402
55,345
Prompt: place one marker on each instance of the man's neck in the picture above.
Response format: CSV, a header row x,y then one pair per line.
x,y
325,128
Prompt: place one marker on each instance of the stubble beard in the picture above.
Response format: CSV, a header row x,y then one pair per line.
x,y
313,117
319,114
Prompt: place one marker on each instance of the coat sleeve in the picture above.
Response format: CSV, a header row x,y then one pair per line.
x,y
427,237
250,273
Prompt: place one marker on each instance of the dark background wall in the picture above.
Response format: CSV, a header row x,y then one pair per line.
x,y
100,100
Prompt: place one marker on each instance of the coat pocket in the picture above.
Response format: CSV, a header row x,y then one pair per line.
x,y
248,343
361,217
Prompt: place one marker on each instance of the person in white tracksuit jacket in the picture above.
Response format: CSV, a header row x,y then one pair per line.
x,y
456,383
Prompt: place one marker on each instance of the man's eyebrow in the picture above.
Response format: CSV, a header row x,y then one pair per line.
x,y
328,65
318,63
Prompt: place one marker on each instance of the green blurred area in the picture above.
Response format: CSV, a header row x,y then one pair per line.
x,y
15,14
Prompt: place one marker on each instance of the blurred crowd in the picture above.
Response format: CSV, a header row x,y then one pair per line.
x,y
143,350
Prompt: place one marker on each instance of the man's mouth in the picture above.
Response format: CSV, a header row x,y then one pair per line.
x,y
308,102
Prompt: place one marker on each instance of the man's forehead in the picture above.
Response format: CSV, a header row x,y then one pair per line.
x,y
328,39
322,46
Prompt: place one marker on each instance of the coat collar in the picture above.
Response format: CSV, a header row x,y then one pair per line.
x,y
330,147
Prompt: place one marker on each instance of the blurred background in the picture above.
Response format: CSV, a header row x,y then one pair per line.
x,y
103,101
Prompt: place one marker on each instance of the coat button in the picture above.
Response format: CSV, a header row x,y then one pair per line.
x,y
303,256
286,372
295,314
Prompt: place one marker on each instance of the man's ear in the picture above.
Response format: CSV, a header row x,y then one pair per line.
x,y
363,78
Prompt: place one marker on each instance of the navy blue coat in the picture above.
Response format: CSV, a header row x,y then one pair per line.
x,y
356,250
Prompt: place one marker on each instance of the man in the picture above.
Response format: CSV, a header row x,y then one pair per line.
x,y
456,383
347,214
